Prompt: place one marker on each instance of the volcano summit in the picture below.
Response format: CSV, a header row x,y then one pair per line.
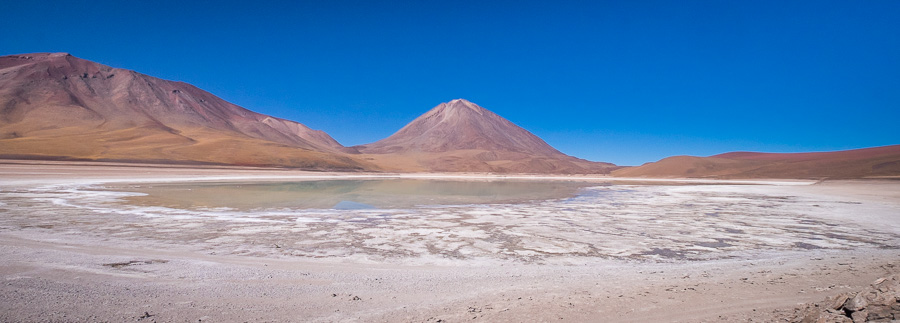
x,y
461,136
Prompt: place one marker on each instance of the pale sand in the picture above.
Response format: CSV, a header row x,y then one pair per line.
x,y
670,253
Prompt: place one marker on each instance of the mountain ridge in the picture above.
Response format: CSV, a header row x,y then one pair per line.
x,y
881,161
49,99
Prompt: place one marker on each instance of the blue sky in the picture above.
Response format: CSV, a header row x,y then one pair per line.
x,y
626,82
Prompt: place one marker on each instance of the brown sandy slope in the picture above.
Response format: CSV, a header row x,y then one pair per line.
x,y
857,163
460,136
59,106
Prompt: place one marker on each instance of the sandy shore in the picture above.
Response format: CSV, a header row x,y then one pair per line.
x,y
689,253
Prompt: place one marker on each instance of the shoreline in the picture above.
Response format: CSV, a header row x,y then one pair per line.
x,y
101,172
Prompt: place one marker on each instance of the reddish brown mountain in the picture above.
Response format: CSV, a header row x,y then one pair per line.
x,y
60,106
56,106
460,136
858,163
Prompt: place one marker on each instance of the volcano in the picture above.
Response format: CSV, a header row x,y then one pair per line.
x,y
460,136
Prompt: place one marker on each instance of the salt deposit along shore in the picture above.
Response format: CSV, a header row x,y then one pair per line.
x,y
74,249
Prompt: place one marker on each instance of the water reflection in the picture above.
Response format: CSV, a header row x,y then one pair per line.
x,y
349,194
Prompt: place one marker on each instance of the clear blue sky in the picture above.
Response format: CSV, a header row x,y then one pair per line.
x,y
626,82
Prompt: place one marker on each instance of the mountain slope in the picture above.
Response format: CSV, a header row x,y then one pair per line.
x,y
460,125
54,105
460,136
857,163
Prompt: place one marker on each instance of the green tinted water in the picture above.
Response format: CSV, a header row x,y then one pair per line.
x,y
348,194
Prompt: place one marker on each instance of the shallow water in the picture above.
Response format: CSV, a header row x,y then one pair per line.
x,y
441,221
347,194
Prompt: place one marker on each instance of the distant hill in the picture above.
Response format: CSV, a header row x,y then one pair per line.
x,y
57,106
460,136
857,163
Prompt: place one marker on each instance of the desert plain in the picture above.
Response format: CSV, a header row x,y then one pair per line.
x,y
79,244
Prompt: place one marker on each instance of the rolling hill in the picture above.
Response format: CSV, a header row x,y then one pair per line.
x,y
857,163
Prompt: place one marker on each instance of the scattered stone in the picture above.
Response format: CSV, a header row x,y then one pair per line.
x,y
878,303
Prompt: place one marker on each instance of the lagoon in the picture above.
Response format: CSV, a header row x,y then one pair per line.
x,y
348,194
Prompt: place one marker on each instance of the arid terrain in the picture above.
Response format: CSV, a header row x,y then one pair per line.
x,y
125,197
54,106
57,106
75,248
856,163
450,161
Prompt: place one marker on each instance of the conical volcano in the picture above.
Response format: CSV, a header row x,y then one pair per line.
x,y
460,136
461,125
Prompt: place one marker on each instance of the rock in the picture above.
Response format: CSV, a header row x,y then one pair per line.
x,y
838,301
879,302
879,313
810,318
809,315
837,318
856,304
